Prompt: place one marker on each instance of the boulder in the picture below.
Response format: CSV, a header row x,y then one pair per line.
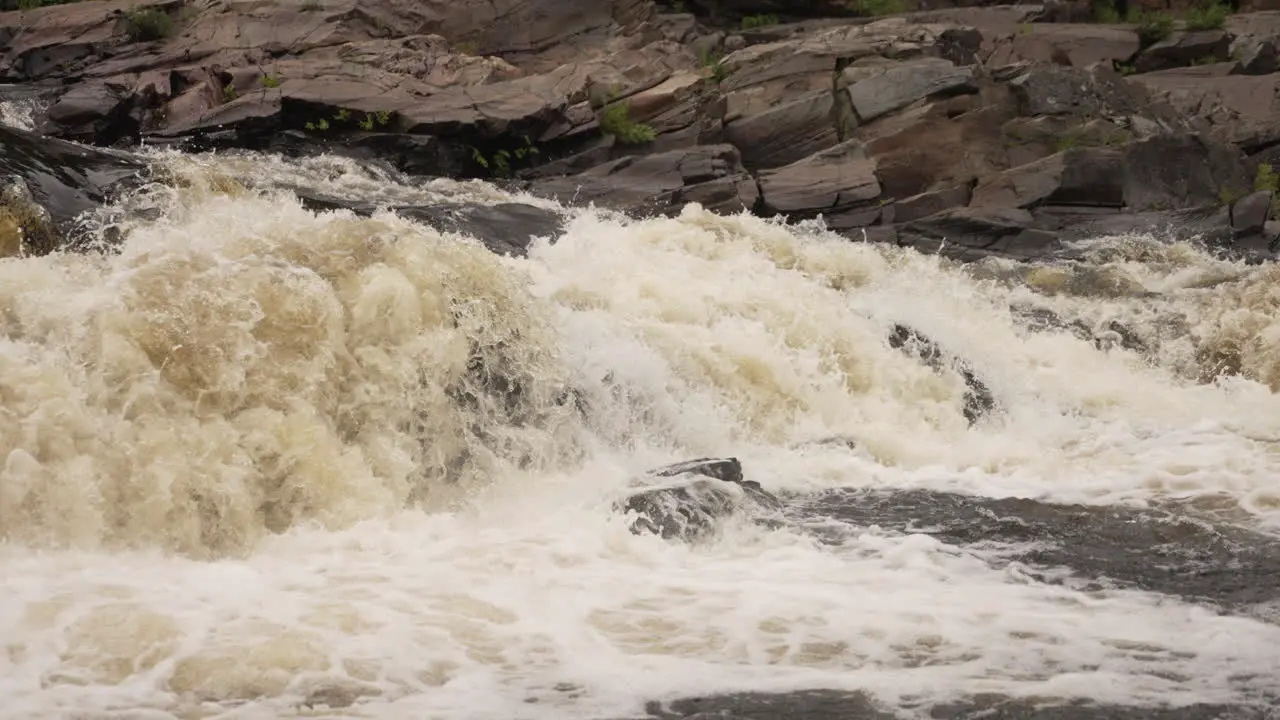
x,y
50,182
504,228
877,90
972,233
1185,48
1250,213
787,131
661,183
978,400
689,500
832,182
1074,45
1079,176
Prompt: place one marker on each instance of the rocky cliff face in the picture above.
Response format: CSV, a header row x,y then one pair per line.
x,y
971,131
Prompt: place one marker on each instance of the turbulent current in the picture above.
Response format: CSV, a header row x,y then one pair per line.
x,y
265,461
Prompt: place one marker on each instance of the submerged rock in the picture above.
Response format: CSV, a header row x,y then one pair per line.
x,y
700,493
978,400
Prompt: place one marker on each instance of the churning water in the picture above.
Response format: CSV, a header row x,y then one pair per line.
x,y
269,462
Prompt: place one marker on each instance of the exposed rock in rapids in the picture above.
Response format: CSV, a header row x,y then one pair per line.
x,y
978,400
47,183
696,496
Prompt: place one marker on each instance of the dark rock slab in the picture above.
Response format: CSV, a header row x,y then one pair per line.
x,y
504,228
1176,549
820,704
64,178
1185,48
972,233
660,183
978,400
696,497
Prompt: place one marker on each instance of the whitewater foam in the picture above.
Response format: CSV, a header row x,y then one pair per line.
x,y
263,461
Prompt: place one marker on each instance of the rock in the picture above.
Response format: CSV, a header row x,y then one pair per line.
x,y
698,495
970,233
661,183
785,132
1250,213
928,203
876,91
978,400
62,179
831,182
504,228
1185,48
1181,171
1082,176
1065,44
25,227
1239,109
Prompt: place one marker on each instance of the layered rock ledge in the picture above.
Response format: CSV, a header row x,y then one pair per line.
x,y
1003,131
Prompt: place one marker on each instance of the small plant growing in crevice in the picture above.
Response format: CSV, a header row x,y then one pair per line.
x,y
1152,27
229,92
500,163
713,59
270,80
318,125
616,120
372,120
1104,11
1211,15
876,8
146,24
1266,178
1229,195
467,47
752,22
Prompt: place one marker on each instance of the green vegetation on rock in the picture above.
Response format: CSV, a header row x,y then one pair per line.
x,y
616,121
146,24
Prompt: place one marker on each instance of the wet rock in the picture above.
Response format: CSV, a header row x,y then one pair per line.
x,y
823,704
1250,213
61,178
661,183
1172,548
695,497
973,233
978,400
504,228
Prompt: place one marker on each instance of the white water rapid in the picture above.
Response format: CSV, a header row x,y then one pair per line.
x,y
246,471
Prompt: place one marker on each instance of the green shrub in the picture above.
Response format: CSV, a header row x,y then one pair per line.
x,y
876,8
1266,178
145,24
616,121
1209,16
751,22
1152,27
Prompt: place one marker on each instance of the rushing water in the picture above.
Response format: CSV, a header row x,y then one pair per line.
x,y
255,464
